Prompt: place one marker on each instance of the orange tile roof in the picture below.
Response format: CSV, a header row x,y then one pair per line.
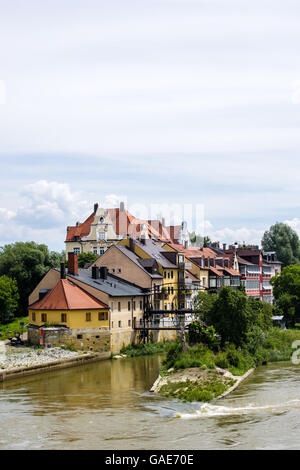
x,y
215,270
67,296
125,224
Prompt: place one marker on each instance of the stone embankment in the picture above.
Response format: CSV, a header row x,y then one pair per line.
x,y
18,362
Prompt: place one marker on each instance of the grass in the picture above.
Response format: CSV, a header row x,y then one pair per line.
x,y
11,328
146,349
204,389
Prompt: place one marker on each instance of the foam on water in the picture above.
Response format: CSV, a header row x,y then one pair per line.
x,y
209,410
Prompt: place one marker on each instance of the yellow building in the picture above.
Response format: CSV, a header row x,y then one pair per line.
x,y
73,316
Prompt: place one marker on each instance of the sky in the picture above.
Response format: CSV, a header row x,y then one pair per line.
x,y
154,102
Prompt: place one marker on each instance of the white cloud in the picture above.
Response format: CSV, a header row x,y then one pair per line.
x,y
230,236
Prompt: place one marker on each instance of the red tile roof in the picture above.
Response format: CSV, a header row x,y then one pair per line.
x,y
126,224
67,296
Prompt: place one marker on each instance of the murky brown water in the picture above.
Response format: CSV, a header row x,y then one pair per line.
x,y
107,405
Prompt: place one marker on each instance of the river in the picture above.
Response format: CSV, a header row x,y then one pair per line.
x,y
106,405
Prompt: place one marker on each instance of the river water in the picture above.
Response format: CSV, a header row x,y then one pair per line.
x,y
106,405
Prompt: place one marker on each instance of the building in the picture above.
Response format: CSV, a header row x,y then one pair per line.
x,y
122,261
105,227
257,269
73,316
124,301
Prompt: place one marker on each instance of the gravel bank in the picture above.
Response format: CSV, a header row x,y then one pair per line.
x,y
11,358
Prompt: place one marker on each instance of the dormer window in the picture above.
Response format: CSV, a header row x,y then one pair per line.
x,y
101,220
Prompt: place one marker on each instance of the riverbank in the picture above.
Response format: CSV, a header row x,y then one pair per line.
x,y
18,362
202,374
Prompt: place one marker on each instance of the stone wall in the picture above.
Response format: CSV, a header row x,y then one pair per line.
x,y
94,339
87,339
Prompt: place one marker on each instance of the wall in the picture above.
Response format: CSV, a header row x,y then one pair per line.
x,y
75,318
115,259
88,339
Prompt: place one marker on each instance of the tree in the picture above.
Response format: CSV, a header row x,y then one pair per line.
x,y
285,241
27,263
230,315
9,297
203,304
286,290
86,258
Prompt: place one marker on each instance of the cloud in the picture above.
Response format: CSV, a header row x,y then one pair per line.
x,y
230,236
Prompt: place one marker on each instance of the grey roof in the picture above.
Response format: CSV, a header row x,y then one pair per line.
x,y
112,286
155,251
137,260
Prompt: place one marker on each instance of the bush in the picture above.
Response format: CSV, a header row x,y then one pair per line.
x,y
198,333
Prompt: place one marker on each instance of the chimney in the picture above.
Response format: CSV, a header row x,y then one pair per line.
x,y
163,221
186,244
73,263
226,262
122,207
103,272
172,233
224,246
95,272
208,262
143,239
131,244
95,207
62,271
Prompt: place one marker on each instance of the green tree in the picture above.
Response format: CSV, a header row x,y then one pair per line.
x,y
286,290
230,315
86,258
27,263
203,304
285,241
9,297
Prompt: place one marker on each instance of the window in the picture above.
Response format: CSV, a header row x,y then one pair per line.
x,y
119,270
79,336
119,323
171,274
172,290
102,316
112,306
169,290
141,305
33,316
129,305
165,306
88,316
95,251
101,251
165,274
64,318
129,322
101,235
204,281
134,305
44,317
76,251
113,270
119,306
112,324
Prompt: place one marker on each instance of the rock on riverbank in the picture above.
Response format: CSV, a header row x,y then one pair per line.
x,y
11,358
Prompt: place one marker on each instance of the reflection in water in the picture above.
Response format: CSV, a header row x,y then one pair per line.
x,y
106,405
